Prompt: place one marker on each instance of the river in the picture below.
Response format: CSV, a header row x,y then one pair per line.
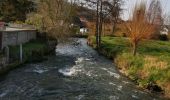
x,y
76,72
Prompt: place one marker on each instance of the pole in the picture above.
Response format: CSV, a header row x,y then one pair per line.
x,y
6,52
21,53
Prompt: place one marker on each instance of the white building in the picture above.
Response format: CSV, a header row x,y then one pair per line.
x,y
83,30
164,31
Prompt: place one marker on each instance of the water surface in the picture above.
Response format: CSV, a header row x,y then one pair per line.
x,y
76,72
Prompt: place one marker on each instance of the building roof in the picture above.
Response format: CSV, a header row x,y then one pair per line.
x,y
10,29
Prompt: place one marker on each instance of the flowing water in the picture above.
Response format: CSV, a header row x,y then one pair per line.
x,y
76,72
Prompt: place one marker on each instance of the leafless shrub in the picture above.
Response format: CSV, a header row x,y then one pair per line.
x,y
138,27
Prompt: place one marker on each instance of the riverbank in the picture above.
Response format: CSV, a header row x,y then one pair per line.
x,y
33,51
74,72
150,69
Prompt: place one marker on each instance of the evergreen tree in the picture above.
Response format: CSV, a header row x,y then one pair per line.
x,y
15,10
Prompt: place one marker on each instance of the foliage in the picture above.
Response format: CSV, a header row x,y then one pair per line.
x,y
36,20
163,37
55,17
15,10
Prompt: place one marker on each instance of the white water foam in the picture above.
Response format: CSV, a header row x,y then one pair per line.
x,y
114,98
78,68
134,96
79,60
39,70
119,88
105,69
4,94
111,73
114,74
112,83
67,71
70,71
89,73
125,82
80,97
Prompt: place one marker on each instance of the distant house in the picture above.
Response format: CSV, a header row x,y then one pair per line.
x,y
81,23
15,36
83,27
164,30
83,30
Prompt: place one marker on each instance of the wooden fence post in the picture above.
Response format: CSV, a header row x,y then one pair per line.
x,y
21,53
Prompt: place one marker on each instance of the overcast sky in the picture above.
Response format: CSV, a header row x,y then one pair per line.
x,y
129,4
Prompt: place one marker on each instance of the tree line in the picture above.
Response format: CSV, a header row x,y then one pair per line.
x,y
56,16
105,9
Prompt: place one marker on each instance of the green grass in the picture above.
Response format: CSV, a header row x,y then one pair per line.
x,y
151,65
34,50
159,49
150,47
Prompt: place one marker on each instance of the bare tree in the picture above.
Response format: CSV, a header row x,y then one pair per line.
x,y
113,10
155,12
104,9
138,27
56,17
166,19
155,17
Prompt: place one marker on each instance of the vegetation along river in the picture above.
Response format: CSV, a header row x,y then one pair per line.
x,y
76,72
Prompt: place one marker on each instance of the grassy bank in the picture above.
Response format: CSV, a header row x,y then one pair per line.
x,y
149,69
32,51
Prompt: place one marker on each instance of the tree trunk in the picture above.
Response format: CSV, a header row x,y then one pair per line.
x,y
97,25
101,23
113,28
134,49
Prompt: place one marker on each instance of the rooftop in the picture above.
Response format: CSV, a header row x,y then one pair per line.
x,y
9,29
17,29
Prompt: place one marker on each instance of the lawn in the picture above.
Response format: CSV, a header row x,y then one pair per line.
x,y
151,66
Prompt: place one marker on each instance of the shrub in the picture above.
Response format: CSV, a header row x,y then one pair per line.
x,y
163,37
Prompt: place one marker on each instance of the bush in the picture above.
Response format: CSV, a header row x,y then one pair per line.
x,y
163,37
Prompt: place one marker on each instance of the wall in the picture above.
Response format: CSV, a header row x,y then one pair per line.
x,y
17,37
